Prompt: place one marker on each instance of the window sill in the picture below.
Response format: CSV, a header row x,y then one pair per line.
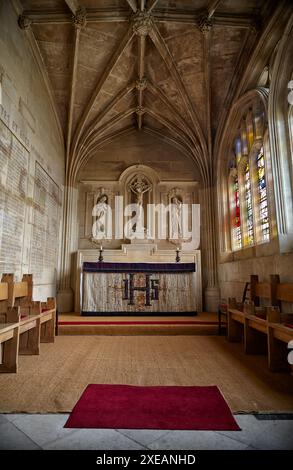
x,y
257,251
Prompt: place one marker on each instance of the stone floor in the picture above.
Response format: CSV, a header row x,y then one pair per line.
x,y
36,431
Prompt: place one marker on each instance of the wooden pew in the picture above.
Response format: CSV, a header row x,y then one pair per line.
x,y
241,320
235,320
9,332
21,294
264,329
9,340
23,322
279,334
255,327
48,320
223,308
4,301
264,290
255,330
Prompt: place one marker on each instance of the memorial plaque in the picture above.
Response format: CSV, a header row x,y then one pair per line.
x,y
46,225
14,160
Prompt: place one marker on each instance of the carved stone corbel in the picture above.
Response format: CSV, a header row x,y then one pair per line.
x,y
24,22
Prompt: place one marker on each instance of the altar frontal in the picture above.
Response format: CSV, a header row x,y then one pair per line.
x,y
138,288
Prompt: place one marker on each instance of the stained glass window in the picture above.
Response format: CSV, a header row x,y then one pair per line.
x,y
248,192
249,209
244,138
237,236
263,199
250,130
291,129
238,150
258,125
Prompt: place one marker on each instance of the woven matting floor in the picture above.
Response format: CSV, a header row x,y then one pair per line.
x,y
54,380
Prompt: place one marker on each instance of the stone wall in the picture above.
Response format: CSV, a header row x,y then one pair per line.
x,y
137,150
32,163
233,275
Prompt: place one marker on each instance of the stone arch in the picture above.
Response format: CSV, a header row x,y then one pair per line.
x,y
280,139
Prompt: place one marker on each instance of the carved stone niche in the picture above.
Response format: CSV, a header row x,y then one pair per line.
x,y
180,200
144,177
175,192
130,174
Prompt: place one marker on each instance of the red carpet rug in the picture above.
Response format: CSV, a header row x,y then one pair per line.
x,y
163,407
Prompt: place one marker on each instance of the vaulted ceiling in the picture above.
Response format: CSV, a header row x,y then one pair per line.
x,y
167,67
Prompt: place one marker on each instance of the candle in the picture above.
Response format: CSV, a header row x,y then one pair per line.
x,y
101,248
177,249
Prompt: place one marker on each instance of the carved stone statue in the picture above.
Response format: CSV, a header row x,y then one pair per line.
x,y
100,211
176,217
139,186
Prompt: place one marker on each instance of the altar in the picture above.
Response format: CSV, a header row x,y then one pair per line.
x,y
148,230
113,288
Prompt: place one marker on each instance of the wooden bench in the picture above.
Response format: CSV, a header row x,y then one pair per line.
x,y
255,328
9,333
21,294
29,314
262,329
235,320
238,313
223,307
48,320
280,330
24,323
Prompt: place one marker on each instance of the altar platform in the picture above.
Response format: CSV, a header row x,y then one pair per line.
x,y
74,324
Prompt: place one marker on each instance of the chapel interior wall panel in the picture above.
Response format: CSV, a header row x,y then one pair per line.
x,y
31,149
